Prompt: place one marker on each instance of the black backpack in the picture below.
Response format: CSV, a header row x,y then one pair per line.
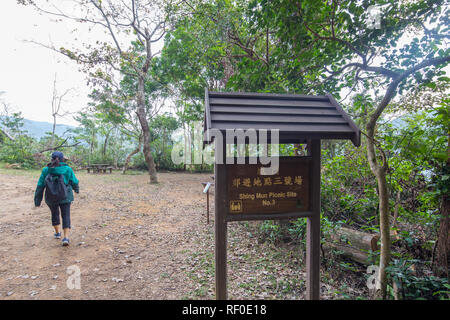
x,y
55,188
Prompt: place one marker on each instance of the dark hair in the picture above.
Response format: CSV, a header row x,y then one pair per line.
x,y
54,163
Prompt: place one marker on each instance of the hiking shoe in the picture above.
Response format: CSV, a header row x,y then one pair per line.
x,y
58,235
65,242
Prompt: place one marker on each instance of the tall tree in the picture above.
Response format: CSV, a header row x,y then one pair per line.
x,y
337,44
116,107
145,21
87,131
441,257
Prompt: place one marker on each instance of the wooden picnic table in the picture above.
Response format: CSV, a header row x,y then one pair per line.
x,y
99,168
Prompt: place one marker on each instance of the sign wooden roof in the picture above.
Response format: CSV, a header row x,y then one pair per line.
x,y
298,117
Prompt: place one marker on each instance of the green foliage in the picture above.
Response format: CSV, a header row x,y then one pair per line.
x,y
417,152
270,231
312,41
19,149
412,286
162,128
273,231
297,230
349,189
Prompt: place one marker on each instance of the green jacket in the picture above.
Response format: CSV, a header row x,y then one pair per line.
x,y
69,179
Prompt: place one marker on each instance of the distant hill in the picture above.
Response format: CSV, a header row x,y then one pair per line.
x,y
37,129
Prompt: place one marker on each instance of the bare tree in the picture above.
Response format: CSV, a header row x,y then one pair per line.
x,y
143,21
57,110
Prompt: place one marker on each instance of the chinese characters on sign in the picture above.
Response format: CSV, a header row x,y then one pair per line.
x,y
267,181
287,191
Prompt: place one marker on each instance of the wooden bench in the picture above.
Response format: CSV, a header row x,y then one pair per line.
x,y
99,168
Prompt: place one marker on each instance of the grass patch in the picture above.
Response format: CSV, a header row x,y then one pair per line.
x,y
19,172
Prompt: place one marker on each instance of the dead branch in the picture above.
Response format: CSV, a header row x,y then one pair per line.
x,y
62,145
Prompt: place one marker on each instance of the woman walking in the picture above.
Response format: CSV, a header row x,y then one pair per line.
x,y
58,195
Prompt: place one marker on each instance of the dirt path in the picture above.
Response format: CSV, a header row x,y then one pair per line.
x,y
133,240
130,240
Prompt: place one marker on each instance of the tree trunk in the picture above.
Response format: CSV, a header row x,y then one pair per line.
x,y
383,197
135,151
348,252
105,144
442,253
91,149
396,208
163,145
357,239
142,116
185,147
191,148
52,143
354,244
385,251
379,171
6,134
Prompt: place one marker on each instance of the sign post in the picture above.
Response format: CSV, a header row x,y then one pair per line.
x,y
220,225
243,193
313,229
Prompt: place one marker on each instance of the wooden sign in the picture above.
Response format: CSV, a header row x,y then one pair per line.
x,y
242,193
249,192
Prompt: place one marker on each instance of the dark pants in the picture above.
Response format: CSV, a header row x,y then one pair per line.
x,y
65,214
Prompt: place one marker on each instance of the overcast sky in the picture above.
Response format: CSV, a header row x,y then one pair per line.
x,y
27,70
